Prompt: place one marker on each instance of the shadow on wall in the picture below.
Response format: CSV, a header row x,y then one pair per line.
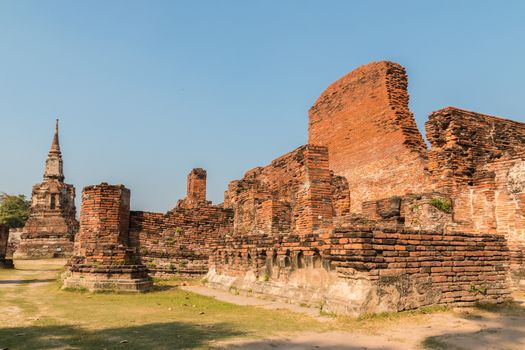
x,y
173,335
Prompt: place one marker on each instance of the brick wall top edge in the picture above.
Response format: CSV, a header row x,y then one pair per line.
x,y
451,109
403,230
363,69
104,185
303,148
198,171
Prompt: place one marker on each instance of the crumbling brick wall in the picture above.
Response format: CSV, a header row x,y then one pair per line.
x,y
479,160
463,142
179,241
391,269
295,193
372,138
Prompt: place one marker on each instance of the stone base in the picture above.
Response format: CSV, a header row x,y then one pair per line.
x,y
98,278
355,296
44,248
6,264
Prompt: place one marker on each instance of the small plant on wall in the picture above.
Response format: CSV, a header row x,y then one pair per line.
x,y
443,204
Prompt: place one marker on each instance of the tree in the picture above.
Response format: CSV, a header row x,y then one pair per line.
x,y
14,210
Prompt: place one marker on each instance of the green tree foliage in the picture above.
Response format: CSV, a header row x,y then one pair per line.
x,y
14,210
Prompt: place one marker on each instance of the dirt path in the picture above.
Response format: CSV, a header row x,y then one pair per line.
x,y
460,329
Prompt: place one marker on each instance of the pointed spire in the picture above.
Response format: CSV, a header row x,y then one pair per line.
x,y
55,145
53,168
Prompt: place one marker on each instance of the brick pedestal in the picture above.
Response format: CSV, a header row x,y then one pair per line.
x,y
102,258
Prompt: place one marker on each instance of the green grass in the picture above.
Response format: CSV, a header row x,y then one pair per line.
x,y
45,317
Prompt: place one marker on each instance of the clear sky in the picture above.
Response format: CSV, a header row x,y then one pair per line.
x,y
147,90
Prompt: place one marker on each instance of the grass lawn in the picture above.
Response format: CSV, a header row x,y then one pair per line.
x,y
38,315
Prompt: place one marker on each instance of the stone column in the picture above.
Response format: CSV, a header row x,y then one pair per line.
x,y
102,258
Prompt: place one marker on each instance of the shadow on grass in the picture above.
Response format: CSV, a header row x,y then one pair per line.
x,y
173,335
31,281
302,345
504,329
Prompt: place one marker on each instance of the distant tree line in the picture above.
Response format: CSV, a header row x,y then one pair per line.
x,y
14,210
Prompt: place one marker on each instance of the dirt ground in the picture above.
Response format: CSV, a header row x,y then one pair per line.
x,y
35,314
457,329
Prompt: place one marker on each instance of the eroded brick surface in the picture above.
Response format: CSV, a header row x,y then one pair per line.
x,y
179,241
362,219
398,268
371,135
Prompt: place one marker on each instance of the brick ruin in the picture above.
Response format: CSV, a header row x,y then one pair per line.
x,y
364,218
4,237
180,240
103,259
50,230
404,226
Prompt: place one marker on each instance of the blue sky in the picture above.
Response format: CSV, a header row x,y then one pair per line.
x,y
147,90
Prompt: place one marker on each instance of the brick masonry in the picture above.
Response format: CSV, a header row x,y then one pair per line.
x,y
372,137
179,241
362,219
103,258
371,268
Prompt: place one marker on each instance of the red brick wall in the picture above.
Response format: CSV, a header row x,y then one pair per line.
x,y
178,241
479,160
440,268
463,142
295,193
371,135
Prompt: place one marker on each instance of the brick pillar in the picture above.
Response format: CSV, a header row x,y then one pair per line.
x,y
102,258
196,194
197,185
4,238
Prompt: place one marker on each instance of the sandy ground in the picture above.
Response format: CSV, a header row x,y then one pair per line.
x,y
459,329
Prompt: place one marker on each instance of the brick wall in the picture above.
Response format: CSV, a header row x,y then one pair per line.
x,y
178,241
295,193
371,135
463,142
389,269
